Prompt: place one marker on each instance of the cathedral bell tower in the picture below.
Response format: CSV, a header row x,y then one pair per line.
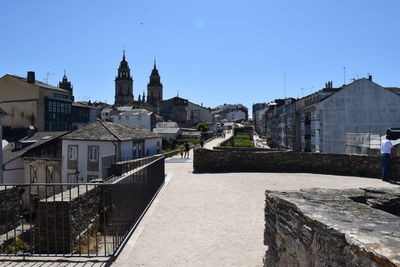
x,y
123,84
154,88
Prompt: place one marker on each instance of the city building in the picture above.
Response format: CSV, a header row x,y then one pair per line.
x,y
259,110
199,113
91,150
362,107
140,117
286,124
232,113
82,114
33,159
175,109
272,121
184,112
308,119
29,102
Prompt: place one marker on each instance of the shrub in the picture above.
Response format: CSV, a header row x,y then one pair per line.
x,y
243,140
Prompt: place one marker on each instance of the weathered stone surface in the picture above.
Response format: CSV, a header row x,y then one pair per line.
x,y
9,208
234,160
62,219
325,227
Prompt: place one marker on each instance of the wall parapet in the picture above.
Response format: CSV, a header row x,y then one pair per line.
x,y
234,160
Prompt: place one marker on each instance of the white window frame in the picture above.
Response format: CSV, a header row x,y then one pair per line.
x,y
93,153
72,152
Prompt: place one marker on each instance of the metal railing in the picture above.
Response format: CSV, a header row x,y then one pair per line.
x,y
85,219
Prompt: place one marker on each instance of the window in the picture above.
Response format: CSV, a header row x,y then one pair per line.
x,y
134,152
93,154
33,174
49,174
73,153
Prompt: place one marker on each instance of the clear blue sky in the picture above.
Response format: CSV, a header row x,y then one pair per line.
x,y
212,52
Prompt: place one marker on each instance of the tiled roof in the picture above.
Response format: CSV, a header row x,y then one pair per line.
x,y
166,130
108,131
38,139
139,111
81,105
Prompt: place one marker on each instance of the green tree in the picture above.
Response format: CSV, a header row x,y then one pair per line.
x,y
202,126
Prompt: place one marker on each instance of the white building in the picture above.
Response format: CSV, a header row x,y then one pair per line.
x,y
140,117
235,115
229,112
88,151
107,113
199,113
360,107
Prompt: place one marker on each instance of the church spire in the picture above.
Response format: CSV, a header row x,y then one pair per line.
x,y
154,87
123,83
66,85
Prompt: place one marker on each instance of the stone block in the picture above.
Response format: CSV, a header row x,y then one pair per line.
x,y
325,227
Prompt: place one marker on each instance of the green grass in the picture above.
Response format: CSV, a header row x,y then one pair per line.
x,y
193,141
242,140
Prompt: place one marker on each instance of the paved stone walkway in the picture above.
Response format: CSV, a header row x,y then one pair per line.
x,y
215,219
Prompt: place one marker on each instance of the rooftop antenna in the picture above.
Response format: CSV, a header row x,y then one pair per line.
x,y
47,77
344,75
177,94
284,83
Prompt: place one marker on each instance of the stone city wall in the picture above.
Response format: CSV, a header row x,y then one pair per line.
x,y
236,160
9,208
326,227
63,218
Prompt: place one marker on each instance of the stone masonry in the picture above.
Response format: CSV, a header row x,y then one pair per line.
x,y
327,227
9,208
64,217
237,160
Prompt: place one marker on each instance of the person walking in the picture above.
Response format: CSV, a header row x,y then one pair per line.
x,y
187,147
182,149
387,150
201,142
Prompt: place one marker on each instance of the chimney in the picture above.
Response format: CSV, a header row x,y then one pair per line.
x,y
30,78
31,131
370,78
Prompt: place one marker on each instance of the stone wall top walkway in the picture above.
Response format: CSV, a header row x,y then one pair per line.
x,y
215,219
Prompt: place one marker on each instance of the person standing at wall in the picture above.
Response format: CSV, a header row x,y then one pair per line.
x,y
387,150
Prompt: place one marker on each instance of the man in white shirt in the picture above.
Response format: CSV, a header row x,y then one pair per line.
x,y
387,149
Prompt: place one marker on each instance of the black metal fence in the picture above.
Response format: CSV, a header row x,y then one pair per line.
x,y
90,219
